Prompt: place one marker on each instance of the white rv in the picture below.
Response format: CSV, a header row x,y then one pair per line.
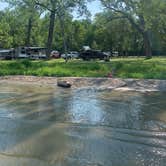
x,y
31,52
7,53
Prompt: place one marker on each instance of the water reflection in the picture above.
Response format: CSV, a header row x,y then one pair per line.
x,y
51,126
116,109
86,108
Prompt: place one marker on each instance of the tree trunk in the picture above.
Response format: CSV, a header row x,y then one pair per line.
x,y
64,37
27,43
147,45
141,28
50,33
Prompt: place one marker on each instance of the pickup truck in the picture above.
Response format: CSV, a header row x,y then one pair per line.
x,y
94,54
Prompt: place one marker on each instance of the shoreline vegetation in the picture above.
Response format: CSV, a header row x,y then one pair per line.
x,y
137,68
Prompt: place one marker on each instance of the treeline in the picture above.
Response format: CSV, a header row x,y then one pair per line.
x,y
133,27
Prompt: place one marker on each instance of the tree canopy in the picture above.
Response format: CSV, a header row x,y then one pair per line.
x,y
131,27
139,14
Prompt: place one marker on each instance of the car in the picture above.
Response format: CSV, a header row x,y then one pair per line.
x,y
74,54
70,55
55,54
115,53
108,53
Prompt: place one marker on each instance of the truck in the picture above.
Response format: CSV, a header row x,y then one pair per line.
x,y
94,54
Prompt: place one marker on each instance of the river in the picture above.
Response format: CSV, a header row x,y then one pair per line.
x,y
52,126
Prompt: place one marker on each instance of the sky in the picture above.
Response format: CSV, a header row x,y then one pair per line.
x,y
94,7
2,5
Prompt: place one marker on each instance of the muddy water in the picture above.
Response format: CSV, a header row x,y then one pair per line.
x,y
50,126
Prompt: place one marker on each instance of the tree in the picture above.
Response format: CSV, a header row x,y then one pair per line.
x,y
116,35
138,13
159,26
5,38
57,7
79,34
28,10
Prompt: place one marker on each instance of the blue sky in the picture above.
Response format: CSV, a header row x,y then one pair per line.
x,y
94,7
2,5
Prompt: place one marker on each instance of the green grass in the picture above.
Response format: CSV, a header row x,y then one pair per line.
x,y
154,68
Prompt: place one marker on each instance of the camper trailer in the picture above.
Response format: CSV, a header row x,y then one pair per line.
x,y
31,52
7,54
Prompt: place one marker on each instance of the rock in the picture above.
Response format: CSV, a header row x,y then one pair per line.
x,y
64,84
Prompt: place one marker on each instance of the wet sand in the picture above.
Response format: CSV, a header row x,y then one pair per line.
x,y
99,83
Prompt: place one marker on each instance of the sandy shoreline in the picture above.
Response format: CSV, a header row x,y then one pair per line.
x,y
99,83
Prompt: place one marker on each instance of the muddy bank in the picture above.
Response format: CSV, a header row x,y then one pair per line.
x,y
99,83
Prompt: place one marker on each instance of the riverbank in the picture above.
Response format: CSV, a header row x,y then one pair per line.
x,y
96,83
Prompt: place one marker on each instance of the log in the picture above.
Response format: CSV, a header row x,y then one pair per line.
x,y
64,84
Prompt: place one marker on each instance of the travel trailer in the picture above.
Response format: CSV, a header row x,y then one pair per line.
x,y
31,52
7,54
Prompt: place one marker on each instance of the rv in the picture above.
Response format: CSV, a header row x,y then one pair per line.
x,y
31,52
7,54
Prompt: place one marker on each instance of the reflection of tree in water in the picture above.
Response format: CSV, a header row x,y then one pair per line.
x,y
49,104
122,109
84,108
37,137
25,138
60,105
117,109
154,111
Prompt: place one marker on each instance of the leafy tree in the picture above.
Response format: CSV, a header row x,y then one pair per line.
x,y
138,13
116,35
126,27
78,34
159,26
57,8
27,9
5,38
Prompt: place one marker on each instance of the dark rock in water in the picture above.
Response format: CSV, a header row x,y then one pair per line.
x,y
64,84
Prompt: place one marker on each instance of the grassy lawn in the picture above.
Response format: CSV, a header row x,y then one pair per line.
x,y
154,68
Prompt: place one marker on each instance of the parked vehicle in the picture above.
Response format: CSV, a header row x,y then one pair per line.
x,y
31,52
115,53
7,54
108,53
70,55
94,54
85,48
74,54
55,54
